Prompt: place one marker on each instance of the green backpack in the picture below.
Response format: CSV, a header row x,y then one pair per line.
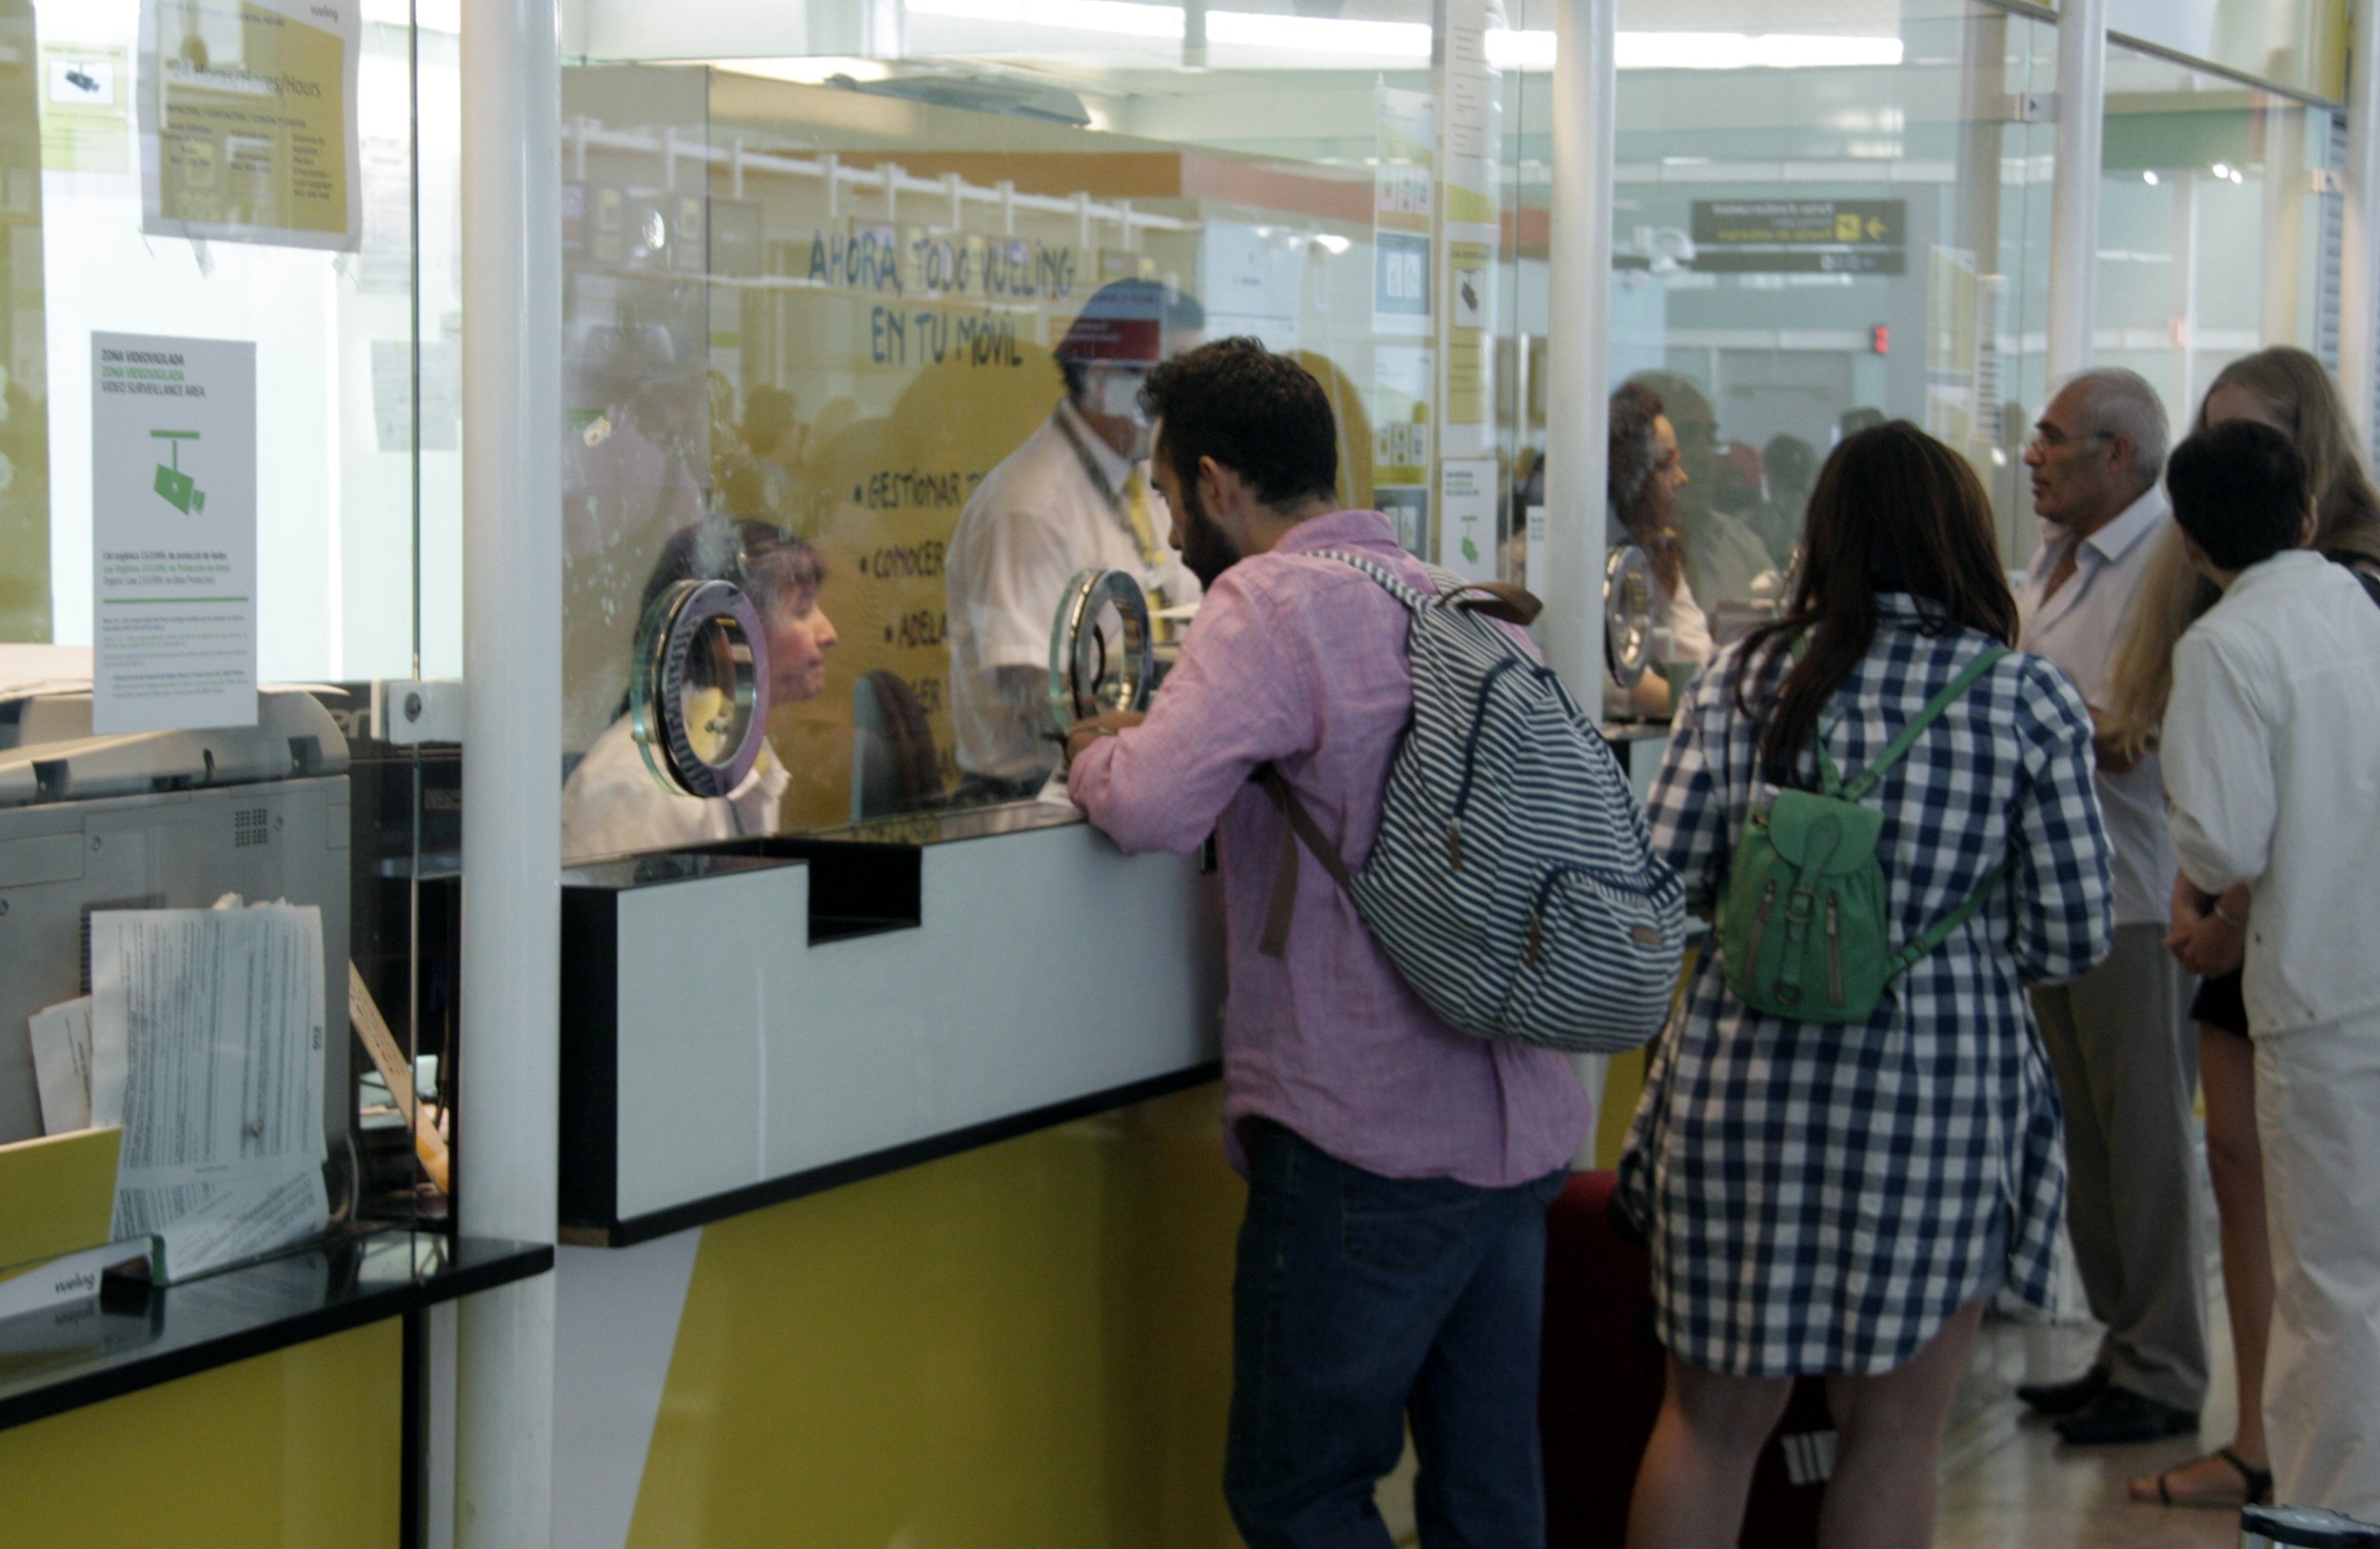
x,y
1802,930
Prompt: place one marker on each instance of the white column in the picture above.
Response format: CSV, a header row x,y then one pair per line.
x,y
1578,369
2359,257
1578,347
512,755
2082,68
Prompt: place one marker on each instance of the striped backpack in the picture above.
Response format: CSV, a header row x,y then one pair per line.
x,y
1513,882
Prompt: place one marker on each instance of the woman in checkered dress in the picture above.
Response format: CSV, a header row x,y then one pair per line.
x,y
1844,1200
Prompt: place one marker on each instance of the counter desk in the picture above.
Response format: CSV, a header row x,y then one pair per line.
x,y
892,1189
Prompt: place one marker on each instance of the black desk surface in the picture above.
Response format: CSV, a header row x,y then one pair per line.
x,y
136,1337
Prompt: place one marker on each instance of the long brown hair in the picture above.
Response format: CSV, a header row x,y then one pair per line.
x,y
1895,511
2298,393
1635,484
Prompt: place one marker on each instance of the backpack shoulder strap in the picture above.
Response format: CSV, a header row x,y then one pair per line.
x,y
1830,781
1394,585
1303,828
1941,930
1865,780
1499,600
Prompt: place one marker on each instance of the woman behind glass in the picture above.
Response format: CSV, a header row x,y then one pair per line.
x,y
2288,391
1844,1200
1642,475
613,803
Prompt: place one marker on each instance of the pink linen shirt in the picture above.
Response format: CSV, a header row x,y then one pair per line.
x,y
1299,661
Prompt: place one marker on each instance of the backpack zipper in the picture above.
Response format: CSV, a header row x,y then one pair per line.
x,y
1834,946
1471,762
1759,929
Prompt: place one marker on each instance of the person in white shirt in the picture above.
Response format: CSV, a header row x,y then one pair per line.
x,y
613,803
2271,755
2120,1037
1075,496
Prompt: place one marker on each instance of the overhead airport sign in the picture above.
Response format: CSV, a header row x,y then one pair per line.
x,y
1801,236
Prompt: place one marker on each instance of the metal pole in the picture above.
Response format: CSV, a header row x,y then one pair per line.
x,y
2359,257
2082,68
1579,344
511,79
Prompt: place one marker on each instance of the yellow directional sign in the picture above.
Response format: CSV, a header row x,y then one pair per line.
x,y
1786,236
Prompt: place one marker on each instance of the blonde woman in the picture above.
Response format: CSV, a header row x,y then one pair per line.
x,y
2289,390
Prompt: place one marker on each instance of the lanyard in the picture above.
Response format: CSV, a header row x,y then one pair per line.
x,y
1114,497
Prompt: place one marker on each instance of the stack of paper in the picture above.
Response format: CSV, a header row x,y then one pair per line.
x,y
206,1030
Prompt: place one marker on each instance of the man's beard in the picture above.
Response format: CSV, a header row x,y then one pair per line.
x,y
1206,550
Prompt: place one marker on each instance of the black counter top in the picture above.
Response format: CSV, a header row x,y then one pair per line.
x,y
136,1337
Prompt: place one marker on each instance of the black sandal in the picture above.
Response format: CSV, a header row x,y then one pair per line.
x,y
2258,1483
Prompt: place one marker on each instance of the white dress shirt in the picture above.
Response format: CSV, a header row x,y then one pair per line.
x,y
1033,523
612,804
2272,766
2079,629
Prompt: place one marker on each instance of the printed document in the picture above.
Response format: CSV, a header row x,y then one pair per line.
x,y
207,1046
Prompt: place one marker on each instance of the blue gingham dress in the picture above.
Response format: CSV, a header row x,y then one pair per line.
x,y
1820,1199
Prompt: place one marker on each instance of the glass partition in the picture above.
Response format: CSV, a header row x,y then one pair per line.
x,y
842,282
228,499
2215,239
2299,45
855,313
1827,222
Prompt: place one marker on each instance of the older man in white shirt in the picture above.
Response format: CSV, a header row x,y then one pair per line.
x,y
2273,770
1075,496
2120,1037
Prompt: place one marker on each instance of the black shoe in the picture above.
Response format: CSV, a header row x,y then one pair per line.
x,y
2121,1414
2067,1397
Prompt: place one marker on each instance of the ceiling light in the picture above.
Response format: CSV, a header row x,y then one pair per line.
x,y
1749,50
1318,34
2149,178
1081,15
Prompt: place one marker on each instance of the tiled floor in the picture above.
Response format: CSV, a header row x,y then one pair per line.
x,y
2007,1484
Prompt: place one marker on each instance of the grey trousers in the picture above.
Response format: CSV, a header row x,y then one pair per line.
x,y
2127,1062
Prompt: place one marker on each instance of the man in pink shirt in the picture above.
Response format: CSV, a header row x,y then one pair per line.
x,y
1391,1261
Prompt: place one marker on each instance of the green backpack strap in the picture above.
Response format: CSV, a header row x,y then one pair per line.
x,y
1865,780
1943,929
1831,782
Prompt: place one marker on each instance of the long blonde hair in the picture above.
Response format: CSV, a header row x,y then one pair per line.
x,y
2299,394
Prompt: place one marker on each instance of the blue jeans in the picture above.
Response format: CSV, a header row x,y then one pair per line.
x,y
1359,1301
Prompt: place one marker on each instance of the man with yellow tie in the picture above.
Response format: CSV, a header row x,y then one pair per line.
x,y
1076,495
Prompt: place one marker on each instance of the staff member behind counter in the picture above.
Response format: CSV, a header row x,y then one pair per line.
x,y
613,803
1076,495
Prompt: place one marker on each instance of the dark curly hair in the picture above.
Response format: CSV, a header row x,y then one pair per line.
x,y
1260,414
1639,496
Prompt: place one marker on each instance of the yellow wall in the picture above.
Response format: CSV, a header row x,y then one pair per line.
x,y
1027,1344
295,1450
